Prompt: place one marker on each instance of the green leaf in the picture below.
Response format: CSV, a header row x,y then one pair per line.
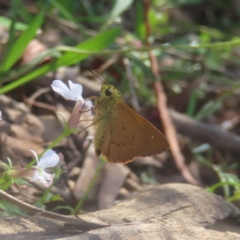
x,y
21,181
56,198
119,7
208,109
70,209
63,10
6,22
235,197
67,14
140,29
97,43
192,103
39,205
7,209
49,197
18,48
146,70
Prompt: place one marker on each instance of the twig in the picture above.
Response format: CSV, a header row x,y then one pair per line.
x,y
83,224
107,64
205,132
163,111
172,135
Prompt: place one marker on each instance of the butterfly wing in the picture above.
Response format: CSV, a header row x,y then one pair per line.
x,y
129,136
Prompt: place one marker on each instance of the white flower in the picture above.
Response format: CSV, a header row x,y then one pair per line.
x,y
0,115
74,92
48,160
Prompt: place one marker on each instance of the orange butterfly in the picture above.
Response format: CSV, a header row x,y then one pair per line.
x,y
121,134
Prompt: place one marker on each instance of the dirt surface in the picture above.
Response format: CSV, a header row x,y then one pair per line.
x,y
169,211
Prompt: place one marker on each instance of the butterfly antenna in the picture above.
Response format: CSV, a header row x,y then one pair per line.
x,y
96,74
97,92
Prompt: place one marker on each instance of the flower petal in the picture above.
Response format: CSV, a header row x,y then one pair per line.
x,y
88,106
34,154
35,177
76,114
61,88
49,178
49,159
47,182
76,90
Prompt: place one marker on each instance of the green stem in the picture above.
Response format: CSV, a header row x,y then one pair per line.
x,y
66,133
45,195
230,43
7,185
12,75
221,184
81,201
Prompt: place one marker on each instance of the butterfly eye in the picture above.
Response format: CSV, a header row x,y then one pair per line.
x,y
108,92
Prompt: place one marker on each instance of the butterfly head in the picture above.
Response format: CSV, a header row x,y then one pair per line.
x,y
109,91
109,97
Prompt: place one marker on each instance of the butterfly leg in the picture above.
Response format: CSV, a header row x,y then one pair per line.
x,y
86,120
83,130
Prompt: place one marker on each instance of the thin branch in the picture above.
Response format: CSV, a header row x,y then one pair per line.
x,y
205,132
163,111
83,224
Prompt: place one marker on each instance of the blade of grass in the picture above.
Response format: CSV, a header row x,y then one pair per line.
x,y
16,73
147,71
96,44
139,21
63,10
6,22
11,38
18,48
88,9
192,103
208,109
12,29
221,184
67,14
119,7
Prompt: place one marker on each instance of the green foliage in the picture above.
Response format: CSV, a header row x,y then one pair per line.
x,y
118,8
208,109
192,103
8,210
7,178
70,209
49,197
97,43
16,50
227,181
6,22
